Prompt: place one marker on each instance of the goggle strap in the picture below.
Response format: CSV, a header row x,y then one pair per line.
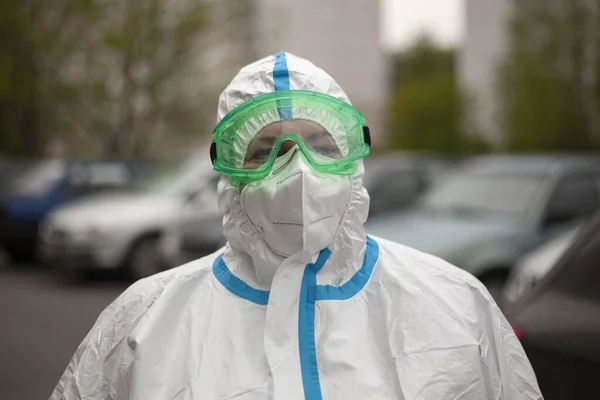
x,y
213,152
367,135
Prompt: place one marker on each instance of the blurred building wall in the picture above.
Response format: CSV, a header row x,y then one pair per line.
x,y
224,47
340,36
484,47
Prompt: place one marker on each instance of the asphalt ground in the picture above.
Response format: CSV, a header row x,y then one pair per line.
x,y
43,318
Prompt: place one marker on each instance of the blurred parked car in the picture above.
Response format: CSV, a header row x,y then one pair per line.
x,y
534,266
558,322
395,181
123,230
48,184
494,209
194,236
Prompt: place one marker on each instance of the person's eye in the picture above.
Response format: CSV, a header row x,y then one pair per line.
x,y
260,155
329,151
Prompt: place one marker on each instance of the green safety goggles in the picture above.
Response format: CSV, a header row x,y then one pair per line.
x,y
330,133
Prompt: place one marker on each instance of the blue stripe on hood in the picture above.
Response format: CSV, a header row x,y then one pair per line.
x,y
281,81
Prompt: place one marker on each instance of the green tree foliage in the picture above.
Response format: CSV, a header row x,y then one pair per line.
x,y
19,77
427,107
548,85
126,75
108,77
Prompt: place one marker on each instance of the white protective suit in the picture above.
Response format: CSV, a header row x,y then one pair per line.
x,y
363,319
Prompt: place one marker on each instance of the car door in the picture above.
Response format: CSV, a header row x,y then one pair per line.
x,y
558,323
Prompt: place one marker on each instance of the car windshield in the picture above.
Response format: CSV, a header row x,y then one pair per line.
x,y
472,193
39,179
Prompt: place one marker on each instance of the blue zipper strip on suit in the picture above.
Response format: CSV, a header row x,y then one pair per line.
x,y
306,329
310,292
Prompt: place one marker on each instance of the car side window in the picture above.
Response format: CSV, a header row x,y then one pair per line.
x,y
575,196
205,194
84,179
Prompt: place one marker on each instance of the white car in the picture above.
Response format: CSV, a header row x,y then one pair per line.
x,y
535,265
125,230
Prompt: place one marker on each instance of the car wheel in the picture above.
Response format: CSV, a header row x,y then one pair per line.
x,y
145,258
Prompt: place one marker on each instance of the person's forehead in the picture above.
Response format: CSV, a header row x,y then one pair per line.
x,y
291,126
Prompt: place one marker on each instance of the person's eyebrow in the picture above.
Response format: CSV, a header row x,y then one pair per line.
x,y
264,139
318,135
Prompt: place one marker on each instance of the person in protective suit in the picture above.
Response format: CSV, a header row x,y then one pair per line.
x,y
301,303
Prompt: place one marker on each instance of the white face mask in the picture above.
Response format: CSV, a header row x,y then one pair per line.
x,y
296,208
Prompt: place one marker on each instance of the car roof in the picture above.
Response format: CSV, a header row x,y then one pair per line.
x,y
405,159
523,164
397,162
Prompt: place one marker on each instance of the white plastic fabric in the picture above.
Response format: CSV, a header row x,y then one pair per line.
x,y
363,319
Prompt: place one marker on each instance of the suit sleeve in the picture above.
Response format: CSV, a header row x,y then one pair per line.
x,y
506,368
101,366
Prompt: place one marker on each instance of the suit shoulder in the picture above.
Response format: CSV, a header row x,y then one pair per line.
x,y
146,290
434,277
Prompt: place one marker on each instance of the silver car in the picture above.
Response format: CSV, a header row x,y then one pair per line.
x,y
124,230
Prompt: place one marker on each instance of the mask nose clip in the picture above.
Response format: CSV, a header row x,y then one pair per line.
x,y
283,161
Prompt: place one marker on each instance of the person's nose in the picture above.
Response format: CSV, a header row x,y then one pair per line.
x,y
285,147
